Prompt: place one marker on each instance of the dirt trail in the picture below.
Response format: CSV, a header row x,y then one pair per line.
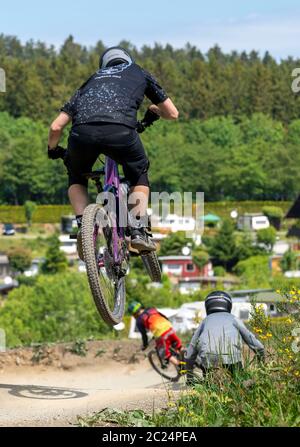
x,y
47,395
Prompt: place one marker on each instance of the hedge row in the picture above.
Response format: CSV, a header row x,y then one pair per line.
x,y
53,213
223,209
43,213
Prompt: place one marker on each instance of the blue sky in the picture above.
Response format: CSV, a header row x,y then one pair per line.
x,y
272,25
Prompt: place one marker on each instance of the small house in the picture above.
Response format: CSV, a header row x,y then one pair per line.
x,y
182,267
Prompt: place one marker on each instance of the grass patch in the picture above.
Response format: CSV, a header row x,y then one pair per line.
x,y
111,417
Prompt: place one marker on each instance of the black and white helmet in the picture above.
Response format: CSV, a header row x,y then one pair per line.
x,y
218,301
114,56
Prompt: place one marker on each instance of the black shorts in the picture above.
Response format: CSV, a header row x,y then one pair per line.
x,y
117,141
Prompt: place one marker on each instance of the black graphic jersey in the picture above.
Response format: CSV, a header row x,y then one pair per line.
x,y
114,95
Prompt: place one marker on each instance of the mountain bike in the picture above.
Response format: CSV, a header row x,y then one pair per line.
x,y
164,367
105,241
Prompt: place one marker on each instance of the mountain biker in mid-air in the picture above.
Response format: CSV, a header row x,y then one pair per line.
x,y
150,319
218,341
103,112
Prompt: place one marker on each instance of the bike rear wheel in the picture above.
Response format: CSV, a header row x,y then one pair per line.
x,y
152,266
106,284
169,371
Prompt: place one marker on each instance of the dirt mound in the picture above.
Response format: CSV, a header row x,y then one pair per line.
x,y
71,355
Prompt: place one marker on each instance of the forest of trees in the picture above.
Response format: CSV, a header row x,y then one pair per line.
x,y
256,159
237,137
40,79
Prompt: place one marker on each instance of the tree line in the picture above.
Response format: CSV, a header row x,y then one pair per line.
x,y
40,78
237,137
255,159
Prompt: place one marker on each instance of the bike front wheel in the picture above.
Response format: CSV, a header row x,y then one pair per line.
x,y
106,283
152,266
167,370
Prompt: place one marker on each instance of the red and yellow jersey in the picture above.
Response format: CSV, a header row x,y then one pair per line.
x,y
153,321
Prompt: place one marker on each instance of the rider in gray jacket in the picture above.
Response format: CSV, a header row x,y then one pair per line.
x,y
218,341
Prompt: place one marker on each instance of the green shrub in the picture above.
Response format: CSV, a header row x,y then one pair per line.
x,y
267,236
173,244
200,258
274,214
19,259
29,208
56,308
223,248
219,271
254,272
56,260
288,261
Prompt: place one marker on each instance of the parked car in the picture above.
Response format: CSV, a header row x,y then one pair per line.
x,y
8,229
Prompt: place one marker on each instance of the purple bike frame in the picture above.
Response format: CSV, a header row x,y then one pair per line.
x,y
112,183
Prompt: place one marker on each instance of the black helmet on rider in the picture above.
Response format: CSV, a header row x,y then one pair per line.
x,y
218,301
115,56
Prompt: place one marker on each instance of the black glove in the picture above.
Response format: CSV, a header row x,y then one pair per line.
x,y
147,121
57,152
140,127
150,117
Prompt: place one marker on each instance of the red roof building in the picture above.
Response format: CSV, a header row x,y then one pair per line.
x,y
182,267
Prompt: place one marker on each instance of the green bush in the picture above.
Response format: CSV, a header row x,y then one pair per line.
x,y
223,248
219,271
274,214
56,308
29,208
173,244
254,272
200,258
267,236
19,259
55,261
289,261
